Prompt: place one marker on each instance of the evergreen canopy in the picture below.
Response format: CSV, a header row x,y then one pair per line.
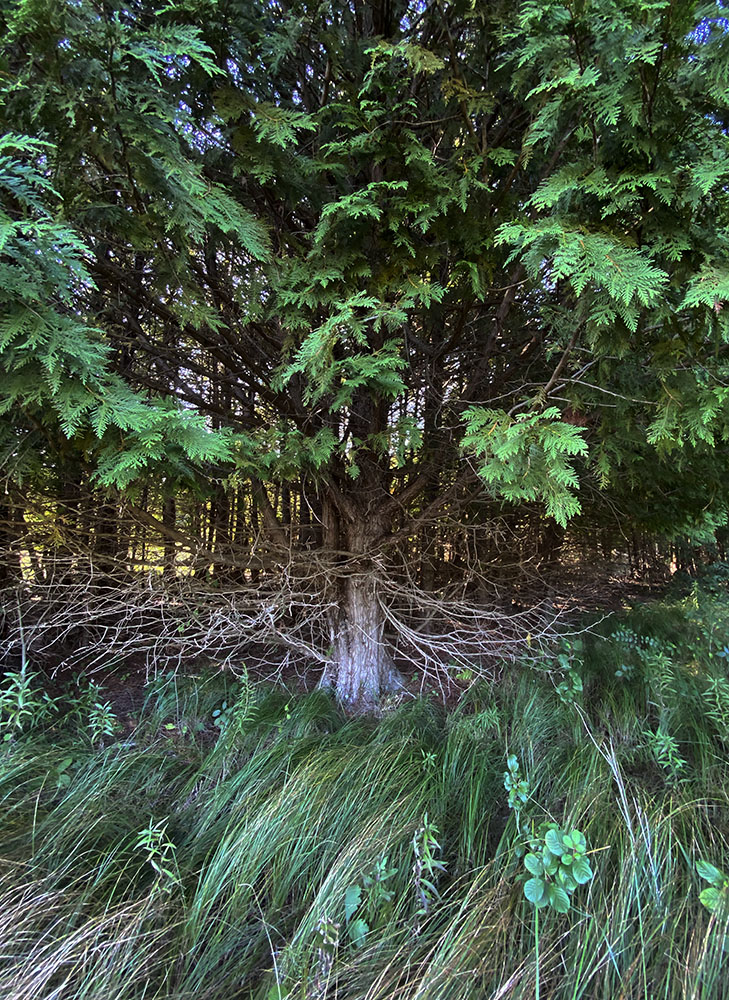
x,y
394,251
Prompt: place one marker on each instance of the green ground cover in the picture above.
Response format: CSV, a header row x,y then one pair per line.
x,y
246,842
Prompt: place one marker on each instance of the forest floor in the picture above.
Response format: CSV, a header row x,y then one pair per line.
x,y
562,832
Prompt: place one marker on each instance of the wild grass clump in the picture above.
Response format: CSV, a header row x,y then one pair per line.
x,y
243,842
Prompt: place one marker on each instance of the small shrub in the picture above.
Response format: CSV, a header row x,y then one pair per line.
x,y
557,865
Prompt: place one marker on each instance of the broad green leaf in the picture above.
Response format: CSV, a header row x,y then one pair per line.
x,y
533,864
578,839
708,872
566,880
534,890
558,899
551,862
358,930
581,870
553,840
352,899
710,897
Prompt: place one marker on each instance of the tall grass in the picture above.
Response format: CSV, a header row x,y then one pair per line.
x,y
253,838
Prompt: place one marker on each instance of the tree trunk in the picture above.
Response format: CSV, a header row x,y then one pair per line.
x,y
10,533
362,663
105,539
364,667
169,519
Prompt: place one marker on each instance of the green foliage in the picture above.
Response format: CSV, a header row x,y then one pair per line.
x,y
24,704
102,721
717,892
426,866
160,853
570,687
627,279
479,230
555,858
527,457
666,750
717,701
557,865
231,714
51,359
270,845
517,787
92,712
368,899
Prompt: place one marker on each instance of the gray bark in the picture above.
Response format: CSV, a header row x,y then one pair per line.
x,y
362,666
